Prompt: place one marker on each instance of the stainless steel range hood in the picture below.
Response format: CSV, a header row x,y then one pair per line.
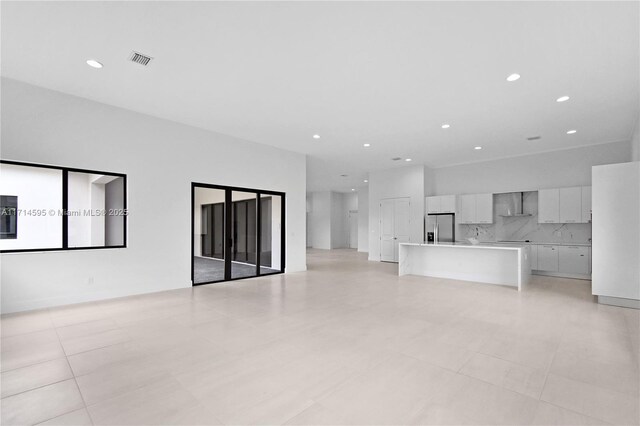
x,y
516,206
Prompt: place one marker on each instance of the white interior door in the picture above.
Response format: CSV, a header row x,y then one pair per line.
x,y
353,229
395,219
387,233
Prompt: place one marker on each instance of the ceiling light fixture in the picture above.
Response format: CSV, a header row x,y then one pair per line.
x,y
513,77
366,145
478,147
366,181
94,64
408,159
316,136
562,99
570,132
446,126
353,189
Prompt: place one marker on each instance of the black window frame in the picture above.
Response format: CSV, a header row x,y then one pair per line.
x,y
65,206
227,225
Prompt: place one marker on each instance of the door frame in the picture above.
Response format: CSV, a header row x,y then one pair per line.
x,y
227,227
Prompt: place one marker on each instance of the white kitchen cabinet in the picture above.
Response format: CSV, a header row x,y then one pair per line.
x,y
533,250
548,258
467,211
570,204
586,204
475,208
441,204
433,204
447,203
484,208
574,260
549,206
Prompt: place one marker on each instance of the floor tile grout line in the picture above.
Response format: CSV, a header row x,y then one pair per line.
x,y
38,387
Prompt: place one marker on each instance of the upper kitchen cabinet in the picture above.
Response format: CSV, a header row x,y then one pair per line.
x,y
549,206
571,205
476,208
467,211
565,205
441,204
586,204
484,208
433,204
448,203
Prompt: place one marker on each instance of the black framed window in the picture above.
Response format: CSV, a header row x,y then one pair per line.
x,y
236,233
47,208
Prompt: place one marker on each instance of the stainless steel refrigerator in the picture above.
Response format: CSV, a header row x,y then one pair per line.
x,y
440,228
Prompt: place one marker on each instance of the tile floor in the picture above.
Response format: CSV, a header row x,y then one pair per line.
x,y
347,342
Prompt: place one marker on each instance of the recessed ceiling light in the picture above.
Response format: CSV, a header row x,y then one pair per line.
x,y
366,145
353,189
570,132
94,64
478,147
446,126
316,136
408,159
513,77
365,181
562,99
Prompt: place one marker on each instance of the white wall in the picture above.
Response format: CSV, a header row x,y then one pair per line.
x,y
363,219
570,167
395,183
329,218
320,220
33,231
616,231
161,158
338,228
635,142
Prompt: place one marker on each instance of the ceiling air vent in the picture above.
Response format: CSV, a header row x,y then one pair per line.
x,y
396,159
139,58
534,138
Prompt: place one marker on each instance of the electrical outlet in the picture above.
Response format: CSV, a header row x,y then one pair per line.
x,y
90,281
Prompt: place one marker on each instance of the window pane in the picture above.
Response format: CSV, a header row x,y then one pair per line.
x,y
36,220
208,238
244,235
95,210
271,236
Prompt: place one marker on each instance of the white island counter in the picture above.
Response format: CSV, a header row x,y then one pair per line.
x,y
491,264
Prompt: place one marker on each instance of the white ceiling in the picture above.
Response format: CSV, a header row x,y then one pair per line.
x,y
384,73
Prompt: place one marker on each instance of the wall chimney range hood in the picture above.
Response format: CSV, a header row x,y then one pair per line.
x,y
515,208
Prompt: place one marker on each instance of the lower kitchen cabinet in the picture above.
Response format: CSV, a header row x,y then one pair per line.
x,y
533,253
548,258
574,260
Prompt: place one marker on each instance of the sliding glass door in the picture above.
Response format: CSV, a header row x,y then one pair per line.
x,y
236,233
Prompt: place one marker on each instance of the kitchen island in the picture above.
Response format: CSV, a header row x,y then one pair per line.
x,y
484,263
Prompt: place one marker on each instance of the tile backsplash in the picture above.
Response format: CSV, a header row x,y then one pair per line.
x,y
524,227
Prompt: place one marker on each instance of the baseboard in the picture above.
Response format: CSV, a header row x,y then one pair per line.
x,y
562,275
619,301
